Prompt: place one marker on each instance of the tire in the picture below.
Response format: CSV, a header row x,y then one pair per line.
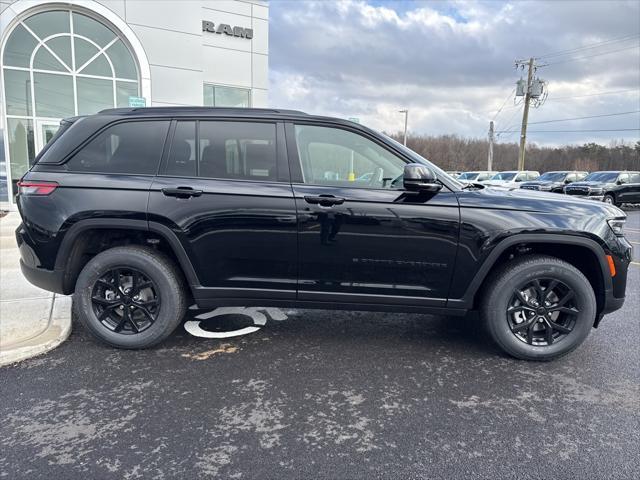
x,y
523,332
610,199
158,288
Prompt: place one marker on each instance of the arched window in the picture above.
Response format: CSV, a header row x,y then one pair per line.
x,y
58,64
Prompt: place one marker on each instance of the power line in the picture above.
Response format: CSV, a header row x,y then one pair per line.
x,y
590,46
504,103
583,118
588,130
594,94
553,99
589,56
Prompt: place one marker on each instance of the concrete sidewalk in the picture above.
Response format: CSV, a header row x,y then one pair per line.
x,y
32,321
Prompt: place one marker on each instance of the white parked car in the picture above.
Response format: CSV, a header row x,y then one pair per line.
x,y
512,178
475,177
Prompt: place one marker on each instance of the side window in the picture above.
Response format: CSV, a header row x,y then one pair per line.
x,y
181,160
129,147
623,178
332,156
532,175
635,178
238,150
572,177
521,177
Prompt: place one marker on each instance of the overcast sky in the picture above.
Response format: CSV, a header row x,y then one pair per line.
x,y
451,64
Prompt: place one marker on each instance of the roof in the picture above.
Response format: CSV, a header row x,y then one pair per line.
x,y
212,111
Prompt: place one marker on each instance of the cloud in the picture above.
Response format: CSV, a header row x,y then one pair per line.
x,y
451,63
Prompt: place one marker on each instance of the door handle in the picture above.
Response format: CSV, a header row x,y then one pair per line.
x,y
324,200
181,192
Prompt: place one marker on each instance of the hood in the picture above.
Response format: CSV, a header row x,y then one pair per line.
x,y
535,201
590,184
542,182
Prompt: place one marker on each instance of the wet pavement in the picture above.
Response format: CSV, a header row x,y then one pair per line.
x,y
323,394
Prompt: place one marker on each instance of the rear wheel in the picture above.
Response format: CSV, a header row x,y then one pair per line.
x,y
539,307
130,297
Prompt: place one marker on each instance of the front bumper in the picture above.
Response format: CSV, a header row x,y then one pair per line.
x,y
598,198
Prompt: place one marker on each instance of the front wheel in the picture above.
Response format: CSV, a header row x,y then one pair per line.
x,y
538,308
130,297
609,199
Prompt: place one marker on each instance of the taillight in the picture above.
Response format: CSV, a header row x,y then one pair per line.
x,y
36,188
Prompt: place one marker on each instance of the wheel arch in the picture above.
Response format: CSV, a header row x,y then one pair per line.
x,y
72,256
594,266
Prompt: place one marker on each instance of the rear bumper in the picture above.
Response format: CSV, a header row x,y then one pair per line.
x,y
51,280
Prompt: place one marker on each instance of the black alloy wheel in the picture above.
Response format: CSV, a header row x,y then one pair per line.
x,y
542,311
125,301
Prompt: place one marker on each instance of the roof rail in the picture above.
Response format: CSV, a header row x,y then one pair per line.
x,y
152,110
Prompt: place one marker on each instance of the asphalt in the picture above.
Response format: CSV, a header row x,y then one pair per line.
x,y
329,395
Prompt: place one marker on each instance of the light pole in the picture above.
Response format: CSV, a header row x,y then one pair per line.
x,y
406,117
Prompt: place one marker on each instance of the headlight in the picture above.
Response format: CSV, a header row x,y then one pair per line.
x,y
617,225
595,190
545,188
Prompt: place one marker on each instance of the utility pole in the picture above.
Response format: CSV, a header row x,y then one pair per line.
x,y
525,117
490,157
406,117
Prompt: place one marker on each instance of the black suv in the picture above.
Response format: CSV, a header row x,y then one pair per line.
x,y
553,181
613,187
142,211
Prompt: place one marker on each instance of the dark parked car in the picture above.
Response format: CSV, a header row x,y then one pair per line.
x,y
143,211
613,187
554,181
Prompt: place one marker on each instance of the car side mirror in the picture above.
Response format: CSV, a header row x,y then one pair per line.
x,y
567,181
420,178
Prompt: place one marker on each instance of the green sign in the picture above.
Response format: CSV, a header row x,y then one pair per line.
x,y
137,102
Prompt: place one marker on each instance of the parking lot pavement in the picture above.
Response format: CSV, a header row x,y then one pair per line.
x,y
329,395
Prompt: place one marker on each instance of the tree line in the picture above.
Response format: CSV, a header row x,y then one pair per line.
x,y
452,152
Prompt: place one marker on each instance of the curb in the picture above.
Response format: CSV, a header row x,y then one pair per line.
x,y
57,331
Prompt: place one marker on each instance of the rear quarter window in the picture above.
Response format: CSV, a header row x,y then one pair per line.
x,y
127,148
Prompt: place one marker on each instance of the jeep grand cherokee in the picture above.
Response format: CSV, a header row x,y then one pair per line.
x,y
140,211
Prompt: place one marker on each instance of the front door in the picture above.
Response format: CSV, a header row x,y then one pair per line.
x,y
45,130
362,238
224,190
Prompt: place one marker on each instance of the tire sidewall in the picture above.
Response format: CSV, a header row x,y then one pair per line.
x,y
497,319
152,268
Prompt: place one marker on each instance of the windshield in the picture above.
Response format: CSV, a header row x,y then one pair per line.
x,y
468,176
605,177
504,176
420,159
553,177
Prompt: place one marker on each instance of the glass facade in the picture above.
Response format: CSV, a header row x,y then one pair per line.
x,y
221,96
59,64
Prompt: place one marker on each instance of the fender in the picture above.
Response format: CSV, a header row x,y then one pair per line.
x,y
467,300
163,231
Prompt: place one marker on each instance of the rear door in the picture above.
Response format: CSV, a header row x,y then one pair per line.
x,y
224,190
629,192
362,238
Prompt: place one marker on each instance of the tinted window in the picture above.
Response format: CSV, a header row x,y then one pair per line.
x,y
507,176
130,147
182,154
332,156
623,178
605,177
635,178
238,150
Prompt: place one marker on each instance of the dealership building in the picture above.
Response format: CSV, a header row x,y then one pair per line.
x,y
77,57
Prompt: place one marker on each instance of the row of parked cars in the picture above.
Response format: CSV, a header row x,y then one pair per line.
x,y
615,187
